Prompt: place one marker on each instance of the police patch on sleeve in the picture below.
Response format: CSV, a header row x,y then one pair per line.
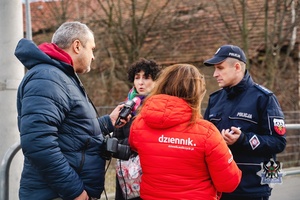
x,y
254,142
279,126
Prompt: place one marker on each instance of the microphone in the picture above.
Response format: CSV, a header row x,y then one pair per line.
x,y
130,106
137,103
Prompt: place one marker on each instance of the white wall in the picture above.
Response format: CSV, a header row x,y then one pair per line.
x,y
11,73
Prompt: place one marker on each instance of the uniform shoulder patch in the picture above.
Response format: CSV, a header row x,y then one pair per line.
x,y
279,126
263,89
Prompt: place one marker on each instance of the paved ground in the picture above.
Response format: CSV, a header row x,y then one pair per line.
x,y
288,190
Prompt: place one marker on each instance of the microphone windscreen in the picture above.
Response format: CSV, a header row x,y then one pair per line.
x,y
137,103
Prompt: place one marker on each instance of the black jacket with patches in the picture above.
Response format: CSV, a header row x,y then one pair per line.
x,y
257,112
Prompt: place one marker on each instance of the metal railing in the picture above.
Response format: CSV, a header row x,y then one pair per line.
x,y
4,170
292,172
13,150
292,126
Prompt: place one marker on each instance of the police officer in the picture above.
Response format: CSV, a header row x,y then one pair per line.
x,y
251,122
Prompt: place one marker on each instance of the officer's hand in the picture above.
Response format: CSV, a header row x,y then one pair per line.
x,y
231,135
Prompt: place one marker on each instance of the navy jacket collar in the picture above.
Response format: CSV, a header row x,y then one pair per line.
x,y
240,87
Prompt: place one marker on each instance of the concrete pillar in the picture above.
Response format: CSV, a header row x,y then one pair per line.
x,y
11,73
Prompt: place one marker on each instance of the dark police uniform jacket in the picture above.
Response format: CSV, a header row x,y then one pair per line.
x,y
257,112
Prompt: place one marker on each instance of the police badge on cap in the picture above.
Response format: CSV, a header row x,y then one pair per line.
x,y
224,52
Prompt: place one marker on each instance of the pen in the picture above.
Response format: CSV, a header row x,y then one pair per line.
x,y
231,132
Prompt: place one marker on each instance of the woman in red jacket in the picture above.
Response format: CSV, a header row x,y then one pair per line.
x,y
182,155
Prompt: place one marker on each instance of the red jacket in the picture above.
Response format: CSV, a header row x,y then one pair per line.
x,y
180,161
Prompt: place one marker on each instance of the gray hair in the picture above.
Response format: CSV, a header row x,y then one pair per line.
x,y
68,32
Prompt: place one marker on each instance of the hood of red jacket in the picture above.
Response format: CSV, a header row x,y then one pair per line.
x,y
165,111
53,51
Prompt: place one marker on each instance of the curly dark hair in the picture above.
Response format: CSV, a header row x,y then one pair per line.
x,y
150,67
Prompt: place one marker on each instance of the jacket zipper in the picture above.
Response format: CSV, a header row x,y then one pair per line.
x,y
83,155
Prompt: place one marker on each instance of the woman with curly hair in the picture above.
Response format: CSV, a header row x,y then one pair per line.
x,y
142,74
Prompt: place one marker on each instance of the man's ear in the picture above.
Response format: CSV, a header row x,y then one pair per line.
x,y
238,66
76,46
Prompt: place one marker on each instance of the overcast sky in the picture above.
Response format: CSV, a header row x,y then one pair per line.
x,y
29,0
35,0
23,1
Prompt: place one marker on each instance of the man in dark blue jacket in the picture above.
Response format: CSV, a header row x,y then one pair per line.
x,y
250,120
61,134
